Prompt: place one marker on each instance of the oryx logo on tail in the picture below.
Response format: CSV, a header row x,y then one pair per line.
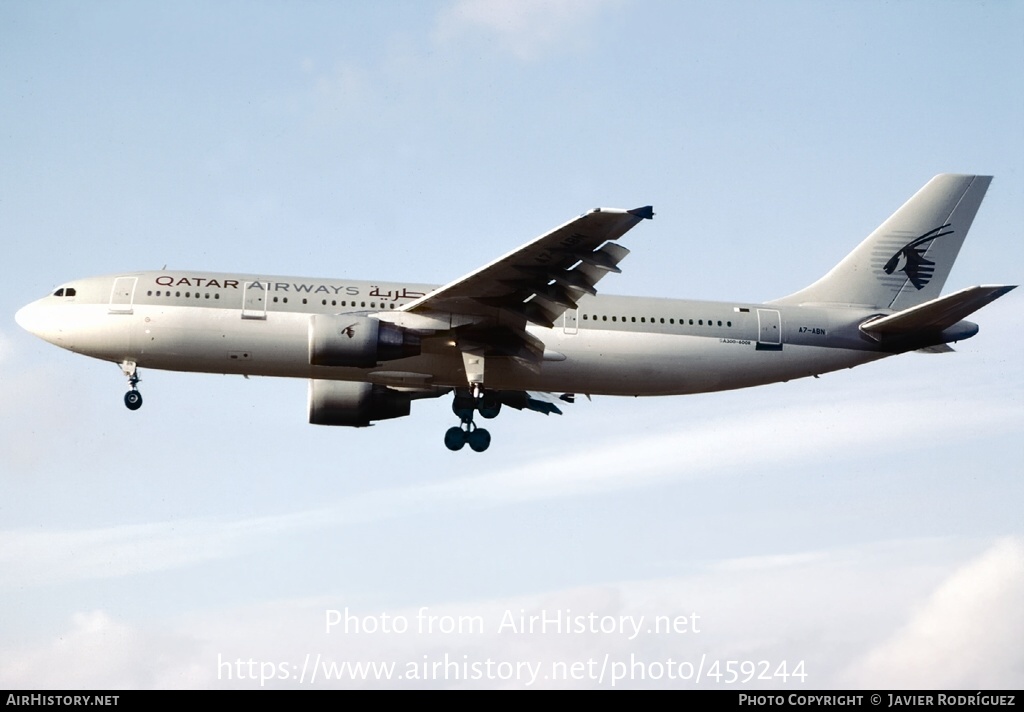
x,y
911,261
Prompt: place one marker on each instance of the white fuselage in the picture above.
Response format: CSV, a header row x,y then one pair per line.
x,y
254,325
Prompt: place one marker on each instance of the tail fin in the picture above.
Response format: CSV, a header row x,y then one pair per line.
x,y
906,260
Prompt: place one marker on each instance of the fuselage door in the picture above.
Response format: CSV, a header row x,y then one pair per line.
x,y
122,294
769,329
254,300
571,321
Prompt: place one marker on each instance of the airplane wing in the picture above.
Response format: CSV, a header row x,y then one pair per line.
x,y
539,281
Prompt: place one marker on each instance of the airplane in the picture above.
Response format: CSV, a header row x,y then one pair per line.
x,y
528,330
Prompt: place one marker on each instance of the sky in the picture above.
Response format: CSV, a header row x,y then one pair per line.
x,y
861,530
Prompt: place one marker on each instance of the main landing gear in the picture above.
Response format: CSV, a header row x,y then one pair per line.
x,y
132,399
465,405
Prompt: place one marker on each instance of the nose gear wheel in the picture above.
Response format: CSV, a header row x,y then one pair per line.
x,y
132,399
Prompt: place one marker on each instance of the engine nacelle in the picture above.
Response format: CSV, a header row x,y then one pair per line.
x,y
354,404
357,341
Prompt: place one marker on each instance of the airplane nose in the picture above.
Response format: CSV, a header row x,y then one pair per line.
x,y
82,328
26,318
37,319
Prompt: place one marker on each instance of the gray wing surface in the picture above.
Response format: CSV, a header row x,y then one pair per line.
x,y
537,282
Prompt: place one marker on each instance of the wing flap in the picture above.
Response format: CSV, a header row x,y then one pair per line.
x,y
607,258
501,342
545,403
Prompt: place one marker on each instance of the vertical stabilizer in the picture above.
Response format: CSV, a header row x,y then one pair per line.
x,y
906,260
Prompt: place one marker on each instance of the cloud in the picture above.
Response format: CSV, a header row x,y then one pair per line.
x,y
821,607
525,28
98,652
976,609
33,557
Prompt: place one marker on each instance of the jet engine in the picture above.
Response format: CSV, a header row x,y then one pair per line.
x,y
357,341
354,404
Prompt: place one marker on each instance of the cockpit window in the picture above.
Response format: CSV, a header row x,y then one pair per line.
x,y
59,292
65,292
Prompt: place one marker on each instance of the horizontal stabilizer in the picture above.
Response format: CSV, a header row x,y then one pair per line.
x,y
936,314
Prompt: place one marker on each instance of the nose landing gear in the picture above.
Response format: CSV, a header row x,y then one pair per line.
x,y
132,399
